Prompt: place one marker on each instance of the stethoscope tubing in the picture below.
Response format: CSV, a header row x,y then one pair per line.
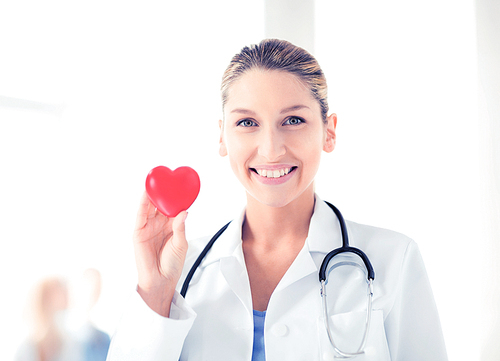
x,y
345,248
200,258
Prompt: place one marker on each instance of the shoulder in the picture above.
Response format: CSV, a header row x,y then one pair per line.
x,y
362,235
195,247
395,258
226,241
388,248
227,238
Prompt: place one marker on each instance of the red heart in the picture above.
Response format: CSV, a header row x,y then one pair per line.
x,y
172,191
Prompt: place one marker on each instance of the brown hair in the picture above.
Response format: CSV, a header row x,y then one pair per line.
x,y
274,54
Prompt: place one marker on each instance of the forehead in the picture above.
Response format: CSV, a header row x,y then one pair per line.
x,y
259,88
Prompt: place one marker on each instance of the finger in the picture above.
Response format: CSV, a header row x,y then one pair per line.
x,y
179,229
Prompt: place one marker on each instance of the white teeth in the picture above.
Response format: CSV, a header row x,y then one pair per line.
x,y
276,173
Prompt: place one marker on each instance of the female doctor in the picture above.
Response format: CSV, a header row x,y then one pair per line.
x,y
256,295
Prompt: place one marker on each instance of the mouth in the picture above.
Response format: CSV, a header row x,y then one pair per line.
x,y
273,173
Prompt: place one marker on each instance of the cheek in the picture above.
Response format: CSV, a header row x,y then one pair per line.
x,y
309,150
237,152
309,145
239,145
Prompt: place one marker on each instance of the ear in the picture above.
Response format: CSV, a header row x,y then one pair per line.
x,y
222,144
331,138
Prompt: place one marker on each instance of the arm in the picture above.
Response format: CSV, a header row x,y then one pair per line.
x,y
145,335
413,327
156,320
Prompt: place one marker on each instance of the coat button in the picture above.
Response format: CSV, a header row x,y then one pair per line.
x,y
280,330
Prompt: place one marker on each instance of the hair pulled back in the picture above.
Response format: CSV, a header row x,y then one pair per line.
x,y
274,54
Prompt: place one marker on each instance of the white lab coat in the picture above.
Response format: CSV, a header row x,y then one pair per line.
x,y
215,321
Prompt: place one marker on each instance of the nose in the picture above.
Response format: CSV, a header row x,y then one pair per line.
x,y
271,144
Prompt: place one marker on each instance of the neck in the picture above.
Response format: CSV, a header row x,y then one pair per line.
x,y
269,227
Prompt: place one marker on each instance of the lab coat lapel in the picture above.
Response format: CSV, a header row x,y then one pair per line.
x,y
233,269
301,267
229,252
323,236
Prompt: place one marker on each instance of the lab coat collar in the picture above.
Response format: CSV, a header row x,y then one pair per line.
x,y
228,244
228,249
323,236
324,230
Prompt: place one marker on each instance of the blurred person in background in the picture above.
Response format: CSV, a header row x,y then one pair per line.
x,y
94,342
49,339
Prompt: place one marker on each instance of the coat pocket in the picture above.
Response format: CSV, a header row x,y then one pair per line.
x,y
347,330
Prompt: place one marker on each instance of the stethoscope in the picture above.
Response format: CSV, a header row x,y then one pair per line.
x,y
322,278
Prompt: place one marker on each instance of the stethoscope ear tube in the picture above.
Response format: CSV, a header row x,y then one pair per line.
x,y
322,273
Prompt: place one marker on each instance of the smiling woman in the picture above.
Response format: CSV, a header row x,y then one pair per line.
x,y
253,287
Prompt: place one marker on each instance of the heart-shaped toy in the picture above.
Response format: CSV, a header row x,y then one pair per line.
x,y
172,191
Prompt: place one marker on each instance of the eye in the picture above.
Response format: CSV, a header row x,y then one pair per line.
x,y
293,121
246,123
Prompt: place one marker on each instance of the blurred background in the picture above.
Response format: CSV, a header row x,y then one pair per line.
x,y
94,94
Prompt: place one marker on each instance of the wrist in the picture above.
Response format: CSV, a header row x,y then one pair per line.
x,y
159,299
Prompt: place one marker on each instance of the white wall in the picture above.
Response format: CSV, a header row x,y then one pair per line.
x,y
488,34
293,20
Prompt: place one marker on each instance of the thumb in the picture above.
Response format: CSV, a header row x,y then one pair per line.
x,y
179,230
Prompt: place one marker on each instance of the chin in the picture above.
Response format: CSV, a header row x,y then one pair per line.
x,y
270,199
277,199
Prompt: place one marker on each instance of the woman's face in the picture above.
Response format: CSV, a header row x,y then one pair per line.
x,y
273,134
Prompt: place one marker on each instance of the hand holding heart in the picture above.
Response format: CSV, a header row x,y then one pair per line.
x,y
160,244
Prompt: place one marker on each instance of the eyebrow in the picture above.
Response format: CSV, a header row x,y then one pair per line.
x,y
293,108
286,110
243,111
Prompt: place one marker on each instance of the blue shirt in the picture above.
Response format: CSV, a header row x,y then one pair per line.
x,y
258,353
95,343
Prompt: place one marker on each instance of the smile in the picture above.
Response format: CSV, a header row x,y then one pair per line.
x,y
273,173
